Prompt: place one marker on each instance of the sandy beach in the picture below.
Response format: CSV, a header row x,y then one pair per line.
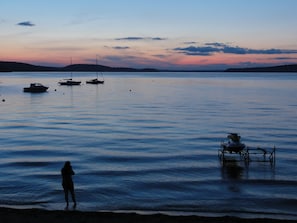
x,y
45,216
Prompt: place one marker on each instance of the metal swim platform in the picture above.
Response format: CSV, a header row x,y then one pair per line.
x,y
248,154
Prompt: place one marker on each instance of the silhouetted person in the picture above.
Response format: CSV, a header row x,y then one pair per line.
x,y
67,182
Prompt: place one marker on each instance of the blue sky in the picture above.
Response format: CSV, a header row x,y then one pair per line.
x,y
187,34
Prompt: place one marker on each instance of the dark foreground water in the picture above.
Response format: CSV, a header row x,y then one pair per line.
x,y
148,142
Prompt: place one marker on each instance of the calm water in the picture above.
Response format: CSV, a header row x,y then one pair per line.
x,y
148,142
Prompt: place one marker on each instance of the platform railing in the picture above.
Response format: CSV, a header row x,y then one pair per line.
x,y
249,154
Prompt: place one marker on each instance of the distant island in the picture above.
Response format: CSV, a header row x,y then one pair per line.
x,y
24,67
283,68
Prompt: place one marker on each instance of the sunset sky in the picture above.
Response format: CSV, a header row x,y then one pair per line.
x,y
179,34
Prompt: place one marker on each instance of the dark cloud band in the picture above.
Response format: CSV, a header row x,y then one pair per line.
x,y
121,47
209,49
136,38
26,23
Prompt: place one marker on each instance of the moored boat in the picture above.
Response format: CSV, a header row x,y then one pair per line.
x,y
36,88
95,81
69,82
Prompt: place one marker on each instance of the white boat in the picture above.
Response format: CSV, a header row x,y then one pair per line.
x,y
36,88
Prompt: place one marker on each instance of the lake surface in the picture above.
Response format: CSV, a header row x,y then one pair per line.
x,y
149,142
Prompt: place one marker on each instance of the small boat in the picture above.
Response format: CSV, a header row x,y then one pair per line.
x,y
69,82
233,144
36,88
95,81
233,148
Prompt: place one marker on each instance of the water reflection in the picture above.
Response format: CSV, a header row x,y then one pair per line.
x,y
236,170
232,170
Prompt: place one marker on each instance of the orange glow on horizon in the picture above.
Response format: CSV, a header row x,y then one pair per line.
x,y
129,58
224,59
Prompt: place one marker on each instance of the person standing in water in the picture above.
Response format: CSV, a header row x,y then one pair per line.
x,y
67,182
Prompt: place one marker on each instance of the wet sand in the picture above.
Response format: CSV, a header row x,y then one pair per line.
x,y
37,215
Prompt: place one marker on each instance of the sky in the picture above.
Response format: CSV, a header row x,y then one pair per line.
x,y
163,34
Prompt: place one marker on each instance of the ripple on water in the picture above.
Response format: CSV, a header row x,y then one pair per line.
x,y
153,148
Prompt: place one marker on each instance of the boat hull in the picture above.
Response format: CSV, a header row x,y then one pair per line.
x,y
70,83
35,88
95,81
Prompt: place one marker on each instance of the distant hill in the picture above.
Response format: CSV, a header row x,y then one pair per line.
x,y
23,67
101,68
283,68
16,66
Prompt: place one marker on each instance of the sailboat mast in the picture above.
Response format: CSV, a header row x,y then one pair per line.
x,y
71,68
97,66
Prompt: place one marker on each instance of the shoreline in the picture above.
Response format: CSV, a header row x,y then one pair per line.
x,y
12,66
74,216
